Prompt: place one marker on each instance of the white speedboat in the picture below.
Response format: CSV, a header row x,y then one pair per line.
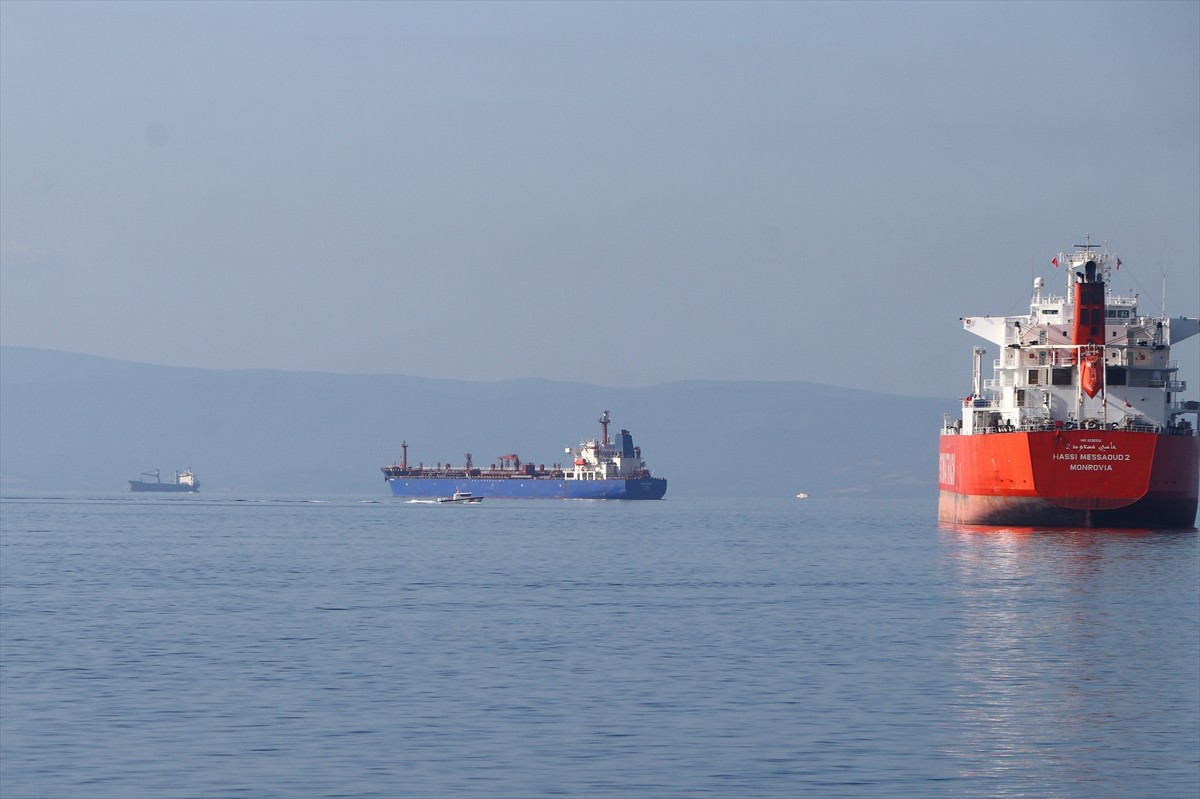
x,y
462,498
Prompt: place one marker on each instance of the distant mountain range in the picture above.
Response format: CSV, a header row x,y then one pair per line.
x,y
81,423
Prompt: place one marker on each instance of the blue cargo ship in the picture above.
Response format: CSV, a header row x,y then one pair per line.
x,y
598,469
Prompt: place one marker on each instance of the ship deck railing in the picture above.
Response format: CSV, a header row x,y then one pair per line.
x,y
1064,355
463,474
1184,429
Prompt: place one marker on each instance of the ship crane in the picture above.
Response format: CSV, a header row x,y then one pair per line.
x,y
513,458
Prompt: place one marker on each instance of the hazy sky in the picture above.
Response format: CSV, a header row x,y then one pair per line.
x,y
613,193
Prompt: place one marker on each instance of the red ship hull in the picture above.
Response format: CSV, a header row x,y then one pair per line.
x,y
1070,478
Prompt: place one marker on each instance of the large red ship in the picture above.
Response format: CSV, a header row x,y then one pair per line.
x,y
1082,423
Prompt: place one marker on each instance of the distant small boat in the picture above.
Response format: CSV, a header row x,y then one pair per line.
x,y
462,497
802,495
185,482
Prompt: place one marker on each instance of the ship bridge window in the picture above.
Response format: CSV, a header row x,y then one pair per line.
x,y
1061,377
1050,311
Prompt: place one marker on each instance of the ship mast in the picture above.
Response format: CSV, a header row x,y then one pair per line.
x,y
604,420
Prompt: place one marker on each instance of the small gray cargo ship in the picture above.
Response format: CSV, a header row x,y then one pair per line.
x,y
185,483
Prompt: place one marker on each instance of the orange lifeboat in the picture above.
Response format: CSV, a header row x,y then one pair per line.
x,y
1091,373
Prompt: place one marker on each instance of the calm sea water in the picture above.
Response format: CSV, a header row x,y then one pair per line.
x,y
280,647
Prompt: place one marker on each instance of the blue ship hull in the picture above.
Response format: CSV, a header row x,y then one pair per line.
x,y
530,487
172,488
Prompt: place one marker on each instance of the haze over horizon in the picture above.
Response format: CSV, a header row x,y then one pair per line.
x,y
611,193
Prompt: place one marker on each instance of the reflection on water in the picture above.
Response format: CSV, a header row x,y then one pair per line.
x,y
1073,648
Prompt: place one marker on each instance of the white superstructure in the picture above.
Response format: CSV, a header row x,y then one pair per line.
x,y
601,460
1077,363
